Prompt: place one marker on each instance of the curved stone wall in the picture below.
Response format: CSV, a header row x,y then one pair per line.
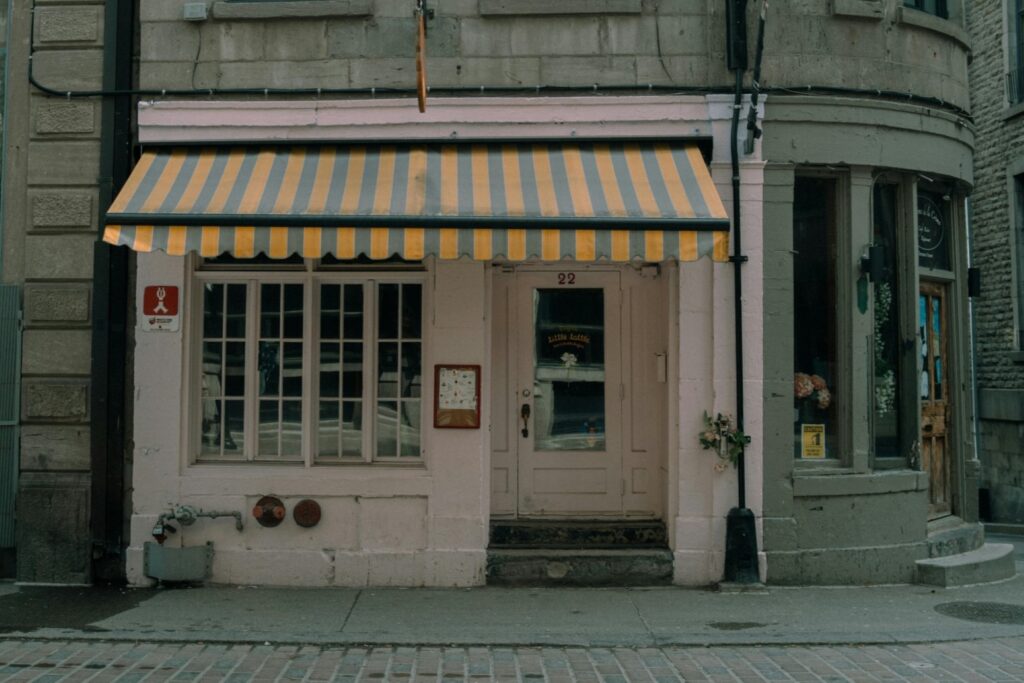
x,y
863,44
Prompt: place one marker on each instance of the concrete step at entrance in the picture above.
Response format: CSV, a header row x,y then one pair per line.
x,y
951,536
592,534
990,562
579,567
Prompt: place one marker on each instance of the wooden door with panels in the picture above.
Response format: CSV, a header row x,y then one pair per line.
x,y
935,388
574,354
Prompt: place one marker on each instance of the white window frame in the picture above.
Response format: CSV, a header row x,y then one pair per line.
x,y
311,278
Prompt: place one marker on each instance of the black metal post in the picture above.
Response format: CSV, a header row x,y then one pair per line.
x,y
740,532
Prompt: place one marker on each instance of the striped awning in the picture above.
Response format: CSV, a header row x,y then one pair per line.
x,y
547,201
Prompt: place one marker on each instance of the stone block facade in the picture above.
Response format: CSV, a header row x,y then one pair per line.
x,y
1000,354
500,43
51,211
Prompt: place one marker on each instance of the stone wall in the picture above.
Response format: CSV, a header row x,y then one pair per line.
x,y
51,217
1000,152
872,44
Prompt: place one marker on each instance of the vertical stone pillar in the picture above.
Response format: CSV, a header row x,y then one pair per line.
x,y
51,222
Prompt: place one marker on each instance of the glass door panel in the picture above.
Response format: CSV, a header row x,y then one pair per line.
x,y
569,370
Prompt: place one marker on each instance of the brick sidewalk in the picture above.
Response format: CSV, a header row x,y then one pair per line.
x,y
52,661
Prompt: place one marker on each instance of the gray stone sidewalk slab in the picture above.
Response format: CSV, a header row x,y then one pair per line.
x,y
520,616
577,616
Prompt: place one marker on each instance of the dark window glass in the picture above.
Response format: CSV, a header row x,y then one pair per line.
x,y
933,230
886,347
814,318
939,8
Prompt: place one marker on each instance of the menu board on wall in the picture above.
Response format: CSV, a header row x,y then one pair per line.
x,y
457,396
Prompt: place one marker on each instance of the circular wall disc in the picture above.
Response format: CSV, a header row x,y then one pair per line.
x,y
306,513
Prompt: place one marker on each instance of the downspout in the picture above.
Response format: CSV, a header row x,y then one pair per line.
x,y
110,304
741,531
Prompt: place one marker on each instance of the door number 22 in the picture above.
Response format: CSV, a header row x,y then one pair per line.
x,y
567,278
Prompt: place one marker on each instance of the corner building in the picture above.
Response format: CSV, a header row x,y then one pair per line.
x,y
507,316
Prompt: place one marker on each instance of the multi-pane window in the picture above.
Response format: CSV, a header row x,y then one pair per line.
x,y
279,371
280,384
814,318
399,371
939,8
340,431
222,368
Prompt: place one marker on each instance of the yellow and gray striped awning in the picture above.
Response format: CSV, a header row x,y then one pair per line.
x,y
515,201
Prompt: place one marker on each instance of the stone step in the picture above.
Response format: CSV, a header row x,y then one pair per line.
x,y
951,536
991,562
592,534
565,567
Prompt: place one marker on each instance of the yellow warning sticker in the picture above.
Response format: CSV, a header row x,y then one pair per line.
x,y
812,444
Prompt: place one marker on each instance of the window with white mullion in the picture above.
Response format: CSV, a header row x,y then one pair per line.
x,y
341,362
399,370
276,384
222,370
279,366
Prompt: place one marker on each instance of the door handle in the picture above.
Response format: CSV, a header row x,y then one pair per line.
x,y
524,413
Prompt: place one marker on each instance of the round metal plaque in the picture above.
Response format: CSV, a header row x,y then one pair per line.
x,y
306,513
269,511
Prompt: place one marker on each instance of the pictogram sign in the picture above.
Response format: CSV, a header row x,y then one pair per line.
x,y
160,309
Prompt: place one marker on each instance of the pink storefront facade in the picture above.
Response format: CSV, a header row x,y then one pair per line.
x,y
615,436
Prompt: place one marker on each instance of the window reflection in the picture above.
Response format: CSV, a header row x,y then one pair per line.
x,y
569,370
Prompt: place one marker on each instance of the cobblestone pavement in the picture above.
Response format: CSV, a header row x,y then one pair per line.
x,y
52,661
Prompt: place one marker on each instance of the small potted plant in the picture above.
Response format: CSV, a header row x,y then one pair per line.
x,y
721,436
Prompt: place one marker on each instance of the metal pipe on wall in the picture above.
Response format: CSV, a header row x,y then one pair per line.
x,y
110,299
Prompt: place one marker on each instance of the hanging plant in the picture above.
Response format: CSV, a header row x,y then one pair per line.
x,y
721,436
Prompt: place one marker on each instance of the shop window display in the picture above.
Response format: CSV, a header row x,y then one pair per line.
x,y
814,318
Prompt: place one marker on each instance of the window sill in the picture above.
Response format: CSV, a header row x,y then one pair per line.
x,y
292,9
1013,111
858,9
947,27
538,7
807,485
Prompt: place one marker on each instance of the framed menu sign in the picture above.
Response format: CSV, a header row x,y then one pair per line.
x,y
457,396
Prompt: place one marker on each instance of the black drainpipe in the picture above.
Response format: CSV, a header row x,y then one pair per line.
x,y
110,301
741,533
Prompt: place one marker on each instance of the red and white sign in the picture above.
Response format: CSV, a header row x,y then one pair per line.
x,y
160,309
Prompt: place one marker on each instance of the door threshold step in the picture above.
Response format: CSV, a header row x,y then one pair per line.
x,y
991,562
579,567
593,534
